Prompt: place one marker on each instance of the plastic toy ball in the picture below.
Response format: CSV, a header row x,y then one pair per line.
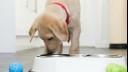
x,y
116,68
15,67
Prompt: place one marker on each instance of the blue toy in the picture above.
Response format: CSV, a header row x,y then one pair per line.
x,y
15,67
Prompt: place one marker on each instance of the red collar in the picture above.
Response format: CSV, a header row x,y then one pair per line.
x,y
63,7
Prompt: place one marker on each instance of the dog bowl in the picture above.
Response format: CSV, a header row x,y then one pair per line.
x,y
75,63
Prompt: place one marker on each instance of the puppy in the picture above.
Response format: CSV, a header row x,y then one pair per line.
x,y
59,22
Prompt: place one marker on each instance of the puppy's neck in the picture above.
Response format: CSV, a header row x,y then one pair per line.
x,y
56,11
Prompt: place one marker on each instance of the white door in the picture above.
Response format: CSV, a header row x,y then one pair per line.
x,y
94,19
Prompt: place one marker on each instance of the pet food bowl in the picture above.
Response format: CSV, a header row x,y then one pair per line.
x,y
75,63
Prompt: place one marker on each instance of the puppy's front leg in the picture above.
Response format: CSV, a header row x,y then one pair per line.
x,y
59,50
75,35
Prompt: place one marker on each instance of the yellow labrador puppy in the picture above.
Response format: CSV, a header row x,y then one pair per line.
x,y
59,22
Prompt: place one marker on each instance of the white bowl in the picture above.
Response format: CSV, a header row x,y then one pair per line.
x,y
75,63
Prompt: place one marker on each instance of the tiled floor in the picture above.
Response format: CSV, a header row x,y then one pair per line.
x,y
27,57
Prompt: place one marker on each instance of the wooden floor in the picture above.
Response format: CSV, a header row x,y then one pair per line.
x,y
27,57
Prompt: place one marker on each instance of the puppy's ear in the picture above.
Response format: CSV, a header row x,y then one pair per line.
x,y
32,31
60,30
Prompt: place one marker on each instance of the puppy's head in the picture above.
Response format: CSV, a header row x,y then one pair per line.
x,y
51,30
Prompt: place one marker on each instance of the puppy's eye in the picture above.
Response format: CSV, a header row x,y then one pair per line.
x,y
49,39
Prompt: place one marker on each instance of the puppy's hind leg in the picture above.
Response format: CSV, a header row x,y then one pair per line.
x,y
75,35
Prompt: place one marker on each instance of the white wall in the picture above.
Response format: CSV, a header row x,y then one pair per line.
x,y
7,26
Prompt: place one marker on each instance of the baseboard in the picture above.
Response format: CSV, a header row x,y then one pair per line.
x,y
118,46
8,52
102,44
